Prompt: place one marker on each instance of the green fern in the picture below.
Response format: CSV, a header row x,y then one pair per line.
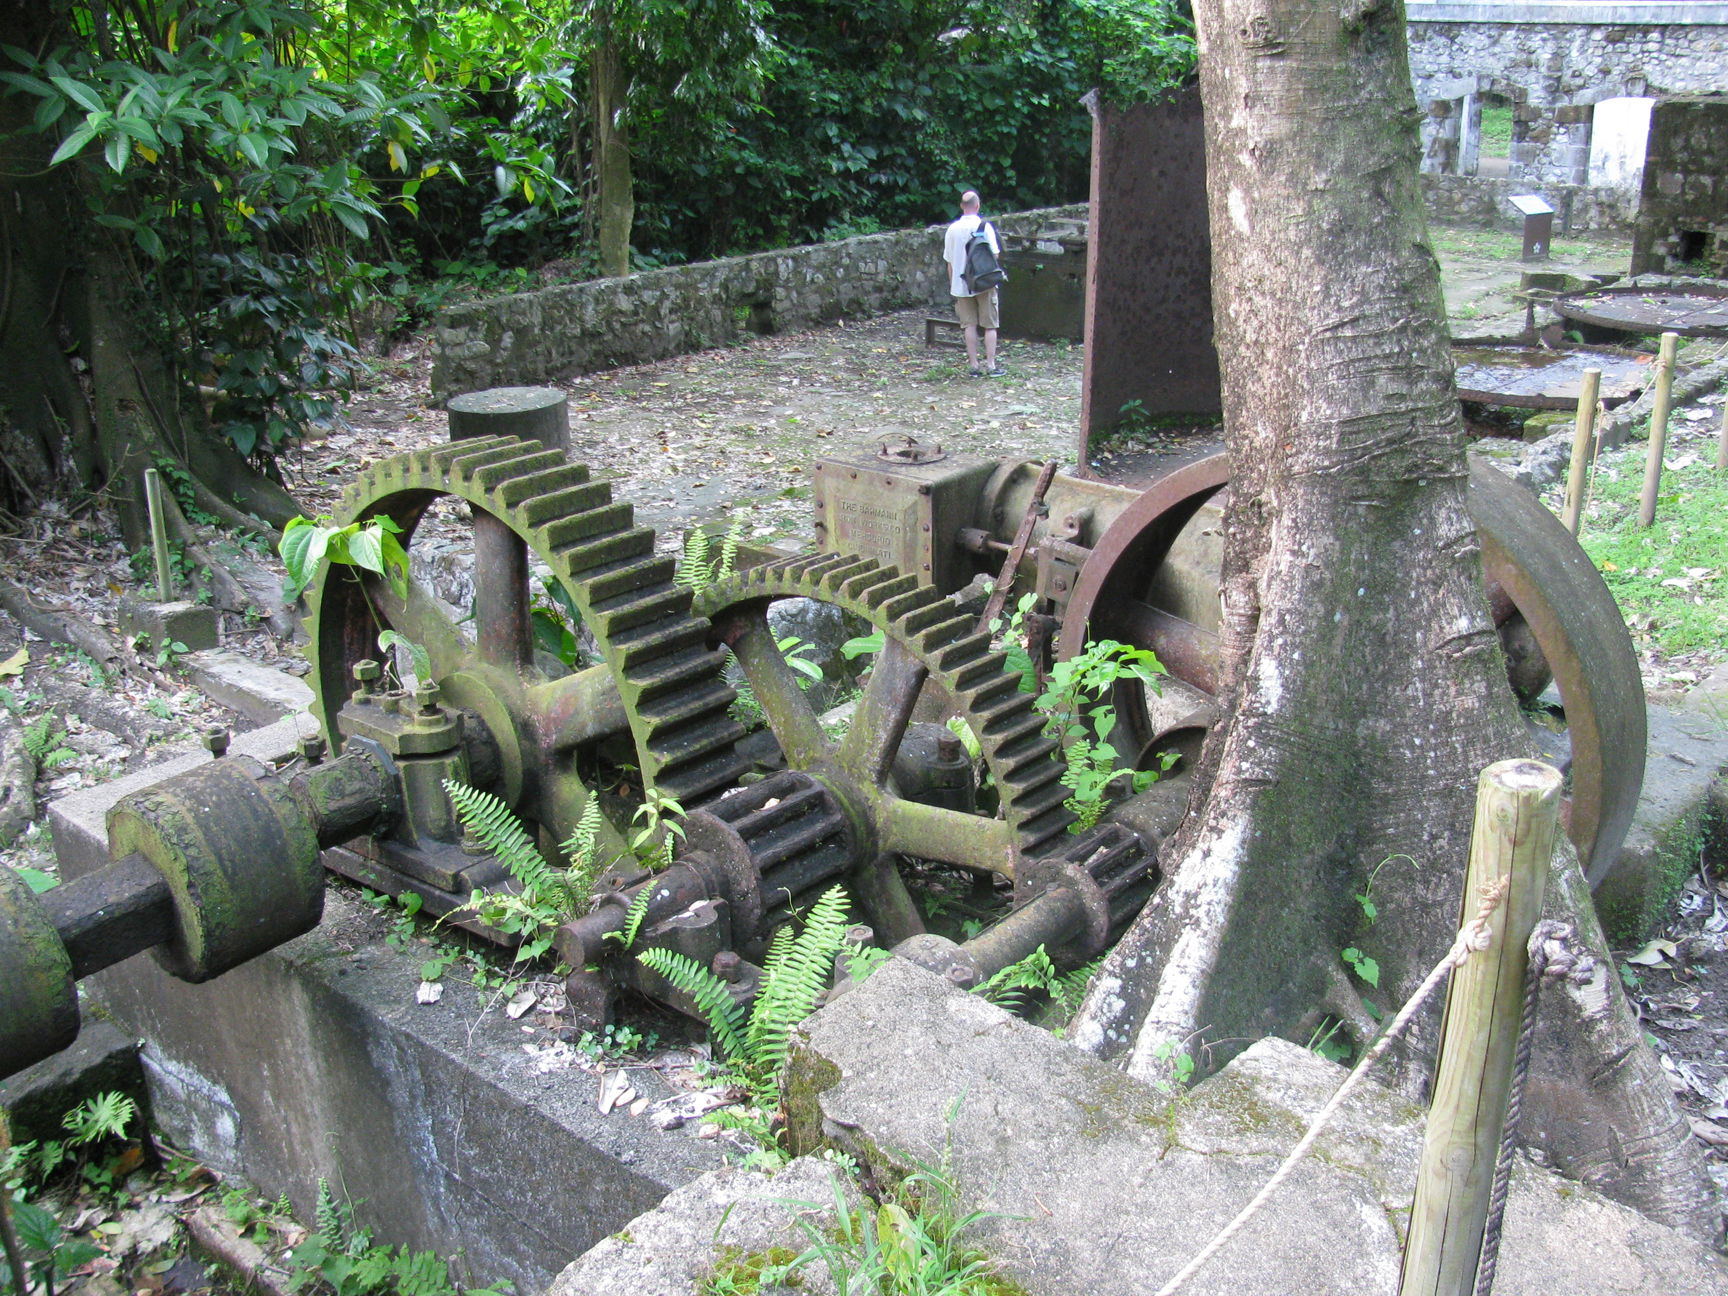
x,y
498,829
105,1116
332,1219
713,997
581,847
634,915
1013,987
794,977
700,566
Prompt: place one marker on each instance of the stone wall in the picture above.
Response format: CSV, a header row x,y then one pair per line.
x,y
1683,215
1483,200
542,336
1553,62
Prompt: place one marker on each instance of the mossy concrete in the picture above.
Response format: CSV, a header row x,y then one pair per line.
x,y
1103,1185
315,1061
1677,821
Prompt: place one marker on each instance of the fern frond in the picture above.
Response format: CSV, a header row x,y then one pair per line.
x,y
634,915
712,995
1070,988
794,976
332,1227
501,832
694,571
581,850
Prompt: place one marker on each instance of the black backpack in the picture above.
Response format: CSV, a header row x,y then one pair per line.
x,y
983,271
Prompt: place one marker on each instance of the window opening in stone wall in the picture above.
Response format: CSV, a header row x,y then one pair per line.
x,y
1494,152
1692,250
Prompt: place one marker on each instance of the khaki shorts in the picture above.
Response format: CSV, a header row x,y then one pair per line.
x,y
979,311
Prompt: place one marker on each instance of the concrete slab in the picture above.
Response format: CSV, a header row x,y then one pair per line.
x,y
438,1121
100,1060
702,1228
1104,1185
260,693
1686,755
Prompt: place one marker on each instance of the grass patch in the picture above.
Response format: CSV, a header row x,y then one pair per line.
x,y
1668,577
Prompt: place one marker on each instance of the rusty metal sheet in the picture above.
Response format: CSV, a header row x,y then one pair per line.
x,y
1537,377
1691,307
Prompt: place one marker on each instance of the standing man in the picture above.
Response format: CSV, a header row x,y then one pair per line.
x,y
975,310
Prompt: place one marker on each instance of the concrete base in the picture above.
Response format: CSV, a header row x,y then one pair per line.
x,y
436,1120
192,624
1100,1184
100,1060
260,693
1676,822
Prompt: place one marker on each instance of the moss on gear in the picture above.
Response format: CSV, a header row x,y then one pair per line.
x,y
38,997
666,685
927,639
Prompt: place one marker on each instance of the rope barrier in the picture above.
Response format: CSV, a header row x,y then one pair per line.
x,y
1473,937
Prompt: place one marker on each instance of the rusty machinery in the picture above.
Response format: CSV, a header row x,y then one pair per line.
x,y
218,864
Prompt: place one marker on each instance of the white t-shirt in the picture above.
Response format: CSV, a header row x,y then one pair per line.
x,y
954,251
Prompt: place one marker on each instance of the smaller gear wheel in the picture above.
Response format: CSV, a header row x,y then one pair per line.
x,y
926,640
659,686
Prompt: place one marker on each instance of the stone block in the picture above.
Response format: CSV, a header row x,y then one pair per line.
x,y
192,624
1105,1185
260,693
315,1061
100,1060
1686,756
726,1219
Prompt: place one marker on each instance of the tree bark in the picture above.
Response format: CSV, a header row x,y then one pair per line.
x,y
608,93
1361,675
86,391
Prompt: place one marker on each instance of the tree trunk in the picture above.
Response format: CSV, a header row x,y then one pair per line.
x,y
87,396
1361,672
608,90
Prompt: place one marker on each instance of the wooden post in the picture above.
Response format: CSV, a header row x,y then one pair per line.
x,y
1582,431
158,535
1722,441
1517,809
1658,428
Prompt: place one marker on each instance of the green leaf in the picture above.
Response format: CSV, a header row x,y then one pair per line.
x,y
78,93
366,549
420,660
302,549
70,146
116,151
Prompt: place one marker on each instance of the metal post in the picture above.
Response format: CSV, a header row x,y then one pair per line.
x,y
1722,441
1517,811
158,534
1658,428
1582,433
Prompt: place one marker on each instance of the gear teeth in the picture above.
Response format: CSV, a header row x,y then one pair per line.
x,y
470,462
630,612
692,783
503,470
679,744
541,509
644,643
677,669
960,659
671,681
687,704
632,577
607,550
521,489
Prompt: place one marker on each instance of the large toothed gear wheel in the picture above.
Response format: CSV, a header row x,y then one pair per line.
x,y
660,682
926,638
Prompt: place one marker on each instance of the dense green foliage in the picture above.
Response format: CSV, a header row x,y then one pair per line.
x,y
266,169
